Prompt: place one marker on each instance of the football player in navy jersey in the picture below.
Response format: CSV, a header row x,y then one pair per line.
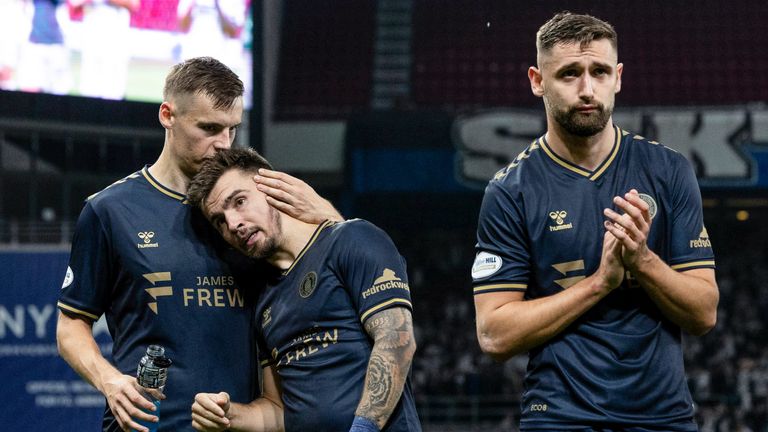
x,y
334,322
148,261
592,255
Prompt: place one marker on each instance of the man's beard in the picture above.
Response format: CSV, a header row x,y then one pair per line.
x,y
268,249
270,245
582,125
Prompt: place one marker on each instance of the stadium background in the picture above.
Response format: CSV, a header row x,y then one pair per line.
x,y
397,110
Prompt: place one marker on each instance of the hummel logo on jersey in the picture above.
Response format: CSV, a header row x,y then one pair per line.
x,y
386,281
147,237
266,317
558,217
702,241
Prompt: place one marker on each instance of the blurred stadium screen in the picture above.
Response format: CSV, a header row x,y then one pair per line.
x,y
90,48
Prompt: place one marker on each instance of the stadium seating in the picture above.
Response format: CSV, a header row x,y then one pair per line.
x,y
326,55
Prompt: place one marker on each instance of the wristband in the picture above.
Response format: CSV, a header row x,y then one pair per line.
x,y
362,424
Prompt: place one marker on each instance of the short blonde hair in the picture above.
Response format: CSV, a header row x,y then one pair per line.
x,y
206,76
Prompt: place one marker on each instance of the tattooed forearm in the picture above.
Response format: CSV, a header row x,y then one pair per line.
x,y
393,348
378,383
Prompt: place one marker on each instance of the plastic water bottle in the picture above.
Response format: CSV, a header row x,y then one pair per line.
x,y
152,373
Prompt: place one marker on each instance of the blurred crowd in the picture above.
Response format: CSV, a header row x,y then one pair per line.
x,y
727,368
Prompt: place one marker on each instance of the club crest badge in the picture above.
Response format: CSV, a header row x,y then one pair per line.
x,y
652,207
308,284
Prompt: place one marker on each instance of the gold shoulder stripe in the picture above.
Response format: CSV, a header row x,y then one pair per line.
x,y
122,180
610,159
161,188
383,305
708,263
500,287
525,154
312,239
77,311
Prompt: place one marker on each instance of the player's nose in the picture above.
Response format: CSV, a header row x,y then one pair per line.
x,y
224,140
586,87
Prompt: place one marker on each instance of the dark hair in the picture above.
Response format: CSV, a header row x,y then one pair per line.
x,y
206,76
243,159
566,27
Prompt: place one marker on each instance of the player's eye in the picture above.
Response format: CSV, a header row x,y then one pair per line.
x,y
239,202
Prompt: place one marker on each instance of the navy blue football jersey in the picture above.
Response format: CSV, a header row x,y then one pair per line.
x,y
540,231
311,318
161,275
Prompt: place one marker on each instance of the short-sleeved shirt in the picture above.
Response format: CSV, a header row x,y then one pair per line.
x,y
312,319
540,231
161,275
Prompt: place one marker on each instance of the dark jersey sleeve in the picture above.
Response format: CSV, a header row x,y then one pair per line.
x,y
372,270
87,285
502,260
691,247
265,357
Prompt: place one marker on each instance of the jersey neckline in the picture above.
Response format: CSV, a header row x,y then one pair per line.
x,y
570,166
309,244
157,185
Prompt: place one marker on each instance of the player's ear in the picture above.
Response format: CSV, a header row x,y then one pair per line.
x,y
619,70
165,114
534,76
